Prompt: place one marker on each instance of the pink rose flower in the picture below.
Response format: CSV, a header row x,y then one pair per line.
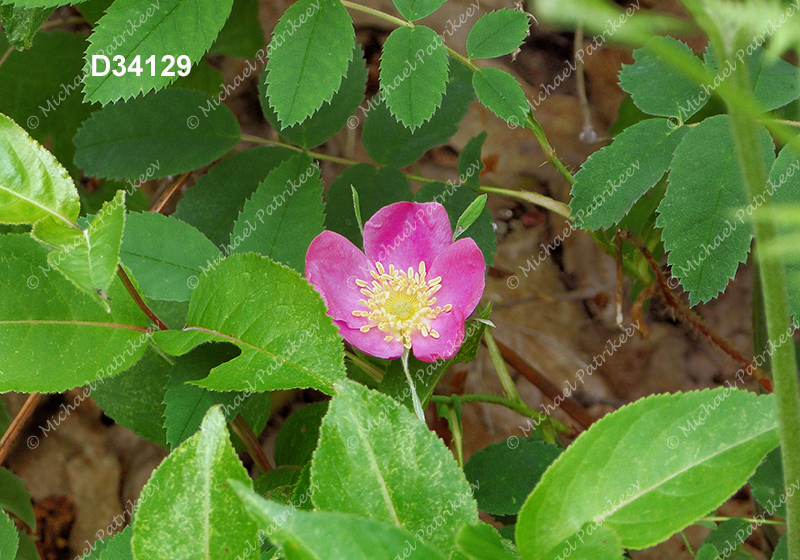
x,y
412,287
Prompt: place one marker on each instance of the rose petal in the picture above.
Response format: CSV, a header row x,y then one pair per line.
x,y
450,327
332,266
463,272
406,233
371,342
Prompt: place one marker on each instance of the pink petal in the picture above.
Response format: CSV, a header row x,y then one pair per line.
x,y
371,342
406,233
450,326
332,266
463,272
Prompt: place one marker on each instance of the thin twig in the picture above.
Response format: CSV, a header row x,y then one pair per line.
x,y
126,281
242,429
16,426
170,192
5,55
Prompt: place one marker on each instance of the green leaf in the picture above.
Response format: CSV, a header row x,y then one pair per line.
x,y
277,484
21,24
615,177
406,475
135,398
15,499
277,319
204,78
413,10
84,342
186,403
118,546
729,537
191,510
506,476
388,142
482,542
332,116
679,455
33,185
500,92
215,200
166,255
782,550
242,35
157,135
707,552
469,215
332,536
9,541
39,3
284,215
309,53
376,187
299,435
658,87
768,485
497,33
413,74
705,240
27,548
157,29
93,10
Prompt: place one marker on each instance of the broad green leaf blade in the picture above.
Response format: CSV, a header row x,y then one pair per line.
x,y
768,486
506,475
707,239
15,498
658,87
332,116
33,185
27,548
191,510
242,35
90,261
84,342
482,542
162,134
500,92
135,398
413,10
376,186
497,33
775,82
616,176
648,470
166,255
781,551
203,78
9,541
215,200
333,536
405,473
299,435
284,215
277,484
40,3
309,53
390,143
413,74
118,546
277,319
21,24
160,28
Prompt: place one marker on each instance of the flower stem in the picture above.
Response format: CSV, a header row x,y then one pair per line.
x,y
414,396
500,367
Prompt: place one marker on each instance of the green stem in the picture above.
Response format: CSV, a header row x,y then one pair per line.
x,y
529,196
500,367
516,406
369,368
748,519
458,433
414,396
377,13
688,546
549,153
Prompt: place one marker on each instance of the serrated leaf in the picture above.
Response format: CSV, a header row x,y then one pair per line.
x,y
215,200
413,10
33,185
158,28
15,499
388,142
333,536
414,71
482,542
166,255
376,187
331,116
191,510
310,51
298,437
135,398
242,35
21,24
27,548
660,88
497,33
284,215
705,240
84,342
768,486
500,92
162,134
278,320
93,10
507,476
616,176
118,546
405,473
657,465
9,541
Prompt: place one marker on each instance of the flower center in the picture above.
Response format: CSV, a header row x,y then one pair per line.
x,y
400,303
